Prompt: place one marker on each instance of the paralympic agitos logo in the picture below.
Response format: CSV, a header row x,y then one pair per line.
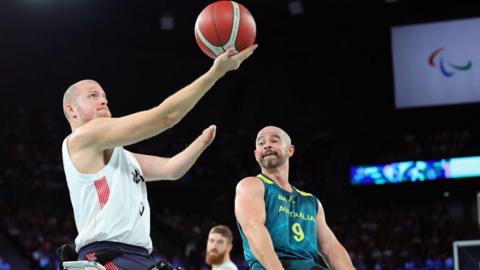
x,y
437,60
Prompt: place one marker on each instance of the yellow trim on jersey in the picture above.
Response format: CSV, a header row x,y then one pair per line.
x,y
265,179
303,193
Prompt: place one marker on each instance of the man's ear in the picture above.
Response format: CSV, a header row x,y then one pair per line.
x,y
291,150
70,110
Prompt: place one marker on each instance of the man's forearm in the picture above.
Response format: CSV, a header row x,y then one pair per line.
x,y
111,132
183,161
262,246
338,259
176,106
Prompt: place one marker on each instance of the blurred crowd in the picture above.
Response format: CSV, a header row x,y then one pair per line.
x,y
4,265
37,216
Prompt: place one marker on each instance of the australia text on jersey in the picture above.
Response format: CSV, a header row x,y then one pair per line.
x,y
294,214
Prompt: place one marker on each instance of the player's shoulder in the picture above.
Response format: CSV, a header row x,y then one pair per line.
x,y
304,194
229,268
82,137
78,140
250,183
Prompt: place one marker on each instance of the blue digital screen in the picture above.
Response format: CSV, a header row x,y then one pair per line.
x,y
415,171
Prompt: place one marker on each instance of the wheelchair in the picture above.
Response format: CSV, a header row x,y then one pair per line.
x,y
68,258
82,265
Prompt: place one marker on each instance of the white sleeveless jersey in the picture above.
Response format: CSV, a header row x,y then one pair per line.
x,y
110,205
223,266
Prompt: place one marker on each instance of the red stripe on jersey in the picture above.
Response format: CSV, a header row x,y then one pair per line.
x,y
110,266
103,191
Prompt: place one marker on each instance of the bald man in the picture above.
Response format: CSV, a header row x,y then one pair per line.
x,y
107,183
281,226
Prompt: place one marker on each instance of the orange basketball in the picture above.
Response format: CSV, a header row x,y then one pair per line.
x,y
224,24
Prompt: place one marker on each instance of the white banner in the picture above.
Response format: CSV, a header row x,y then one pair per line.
x,y
436,63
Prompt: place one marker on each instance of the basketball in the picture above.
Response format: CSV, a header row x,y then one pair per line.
x,y
224,24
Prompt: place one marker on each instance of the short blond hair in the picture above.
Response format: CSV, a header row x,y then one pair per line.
x,y
224,231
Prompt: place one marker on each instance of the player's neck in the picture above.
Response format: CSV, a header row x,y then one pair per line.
x,y
74,126
279,176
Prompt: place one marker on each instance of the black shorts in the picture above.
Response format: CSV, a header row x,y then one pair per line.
x,y
134,257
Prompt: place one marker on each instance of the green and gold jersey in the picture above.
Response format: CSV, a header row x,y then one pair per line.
x,y
292,224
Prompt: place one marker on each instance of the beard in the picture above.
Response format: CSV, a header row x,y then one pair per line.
x,y
104,114
215,258
86,116
271,163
